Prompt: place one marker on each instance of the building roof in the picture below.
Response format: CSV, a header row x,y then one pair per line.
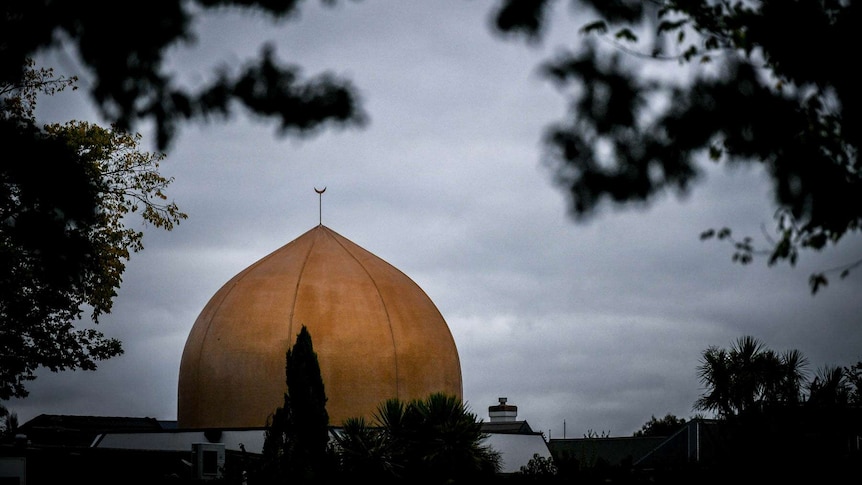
x,y
148,435
71,430
612,451
376,333
508,427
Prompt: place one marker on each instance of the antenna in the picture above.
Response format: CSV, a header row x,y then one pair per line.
x,y
320,203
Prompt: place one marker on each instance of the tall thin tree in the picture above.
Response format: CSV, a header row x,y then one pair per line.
x,y
296,444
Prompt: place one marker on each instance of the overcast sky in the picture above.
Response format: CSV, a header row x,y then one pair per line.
x,y
592,326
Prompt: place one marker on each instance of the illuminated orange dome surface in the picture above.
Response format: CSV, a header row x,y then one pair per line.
x,y
376,333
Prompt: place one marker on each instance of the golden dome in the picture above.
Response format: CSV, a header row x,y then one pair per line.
x,y
376,333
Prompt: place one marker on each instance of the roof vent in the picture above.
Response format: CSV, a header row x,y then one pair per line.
x,y
503,412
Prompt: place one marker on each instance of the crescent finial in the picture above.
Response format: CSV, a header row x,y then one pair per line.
x,y
320,203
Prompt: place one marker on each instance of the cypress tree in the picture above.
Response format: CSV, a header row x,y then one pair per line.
x,y
296,444
310,430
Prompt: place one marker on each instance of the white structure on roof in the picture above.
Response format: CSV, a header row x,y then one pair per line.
x,y
503,412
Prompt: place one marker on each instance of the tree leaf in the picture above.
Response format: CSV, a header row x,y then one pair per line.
x,y
626,34
599,26
668,25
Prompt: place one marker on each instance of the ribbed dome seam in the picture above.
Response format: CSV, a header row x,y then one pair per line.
x,y
296,291
236,279
332,234
199,351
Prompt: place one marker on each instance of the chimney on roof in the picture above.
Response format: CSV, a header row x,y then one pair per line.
x,y
503,412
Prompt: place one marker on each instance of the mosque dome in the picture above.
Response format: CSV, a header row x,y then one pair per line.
x,y
376,333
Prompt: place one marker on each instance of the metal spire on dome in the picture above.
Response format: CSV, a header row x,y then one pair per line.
x,y
320,203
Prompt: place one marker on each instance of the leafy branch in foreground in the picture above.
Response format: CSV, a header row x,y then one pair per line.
x,y
64,198
787,248
747,89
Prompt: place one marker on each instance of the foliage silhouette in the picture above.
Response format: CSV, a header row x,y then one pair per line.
x,y
65,198
433,440
665,426
749,375
296,445
131,84
762,83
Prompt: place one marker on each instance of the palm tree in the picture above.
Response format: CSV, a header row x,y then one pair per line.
x,y
715,373
432,440
854,380
747,376
751,365
365,452
391,414
448,442
791,377
829,387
